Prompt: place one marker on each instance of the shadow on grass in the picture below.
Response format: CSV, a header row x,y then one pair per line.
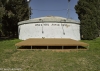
x,y
7,38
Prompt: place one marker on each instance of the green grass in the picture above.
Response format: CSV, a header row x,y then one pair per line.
x,y
37,60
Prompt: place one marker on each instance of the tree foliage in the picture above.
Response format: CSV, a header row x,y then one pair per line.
x,y
89,15
2,11
14,11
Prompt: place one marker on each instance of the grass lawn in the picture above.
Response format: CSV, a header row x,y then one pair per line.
x,y
37,60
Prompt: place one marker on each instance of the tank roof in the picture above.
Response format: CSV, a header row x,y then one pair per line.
x,y
53,19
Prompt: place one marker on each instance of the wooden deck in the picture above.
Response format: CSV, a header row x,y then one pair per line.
x,y
50,42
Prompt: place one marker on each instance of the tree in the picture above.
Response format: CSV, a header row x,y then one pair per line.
x,y
87,13
97,14
15,11
2,11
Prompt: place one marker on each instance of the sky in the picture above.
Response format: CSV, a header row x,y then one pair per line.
x,y
41,8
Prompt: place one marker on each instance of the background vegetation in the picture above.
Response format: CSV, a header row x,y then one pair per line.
x,y
11,12
89,15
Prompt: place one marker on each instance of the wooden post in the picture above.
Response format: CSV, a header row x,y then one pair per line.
x,y
62,47
47,47
77,47
31,47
